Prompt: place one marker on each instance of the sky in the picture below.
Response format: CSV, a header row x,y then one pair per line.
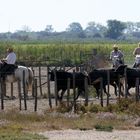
x,y
36,14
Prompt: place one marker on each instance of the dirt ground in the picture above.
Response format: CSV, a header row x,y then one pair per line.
x,y
92,135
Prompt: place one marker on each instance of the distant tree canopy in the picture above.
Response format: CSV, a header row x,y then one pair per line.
x,y
94,30
114,30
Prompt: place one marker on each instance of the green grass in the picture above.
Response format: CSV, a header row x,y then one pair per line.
x,y
62,52
108,128
20,136
16,132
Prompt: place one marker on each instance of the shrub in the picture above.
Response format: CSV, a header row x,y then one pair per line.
x,y
62,108
134,109
95,108
109,108
103,127
124,103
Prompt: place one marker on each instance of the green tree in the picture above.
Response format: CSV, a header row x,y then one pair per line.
x,y
94,29
75,28
49,29
115,29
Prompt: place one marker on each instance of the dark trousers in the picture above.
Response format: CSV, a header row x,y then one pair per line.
x,y
6,69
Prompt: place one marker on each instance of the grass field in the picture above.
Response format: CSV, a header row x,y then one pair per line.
x,y
71,53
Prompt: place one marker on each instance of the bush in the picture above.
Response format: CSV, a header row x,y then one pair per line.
x,y
63,108
134,109
124,103
103,127
95,108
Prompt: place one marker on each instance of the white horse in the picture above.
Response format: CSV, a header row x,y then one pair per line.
x,y
18,76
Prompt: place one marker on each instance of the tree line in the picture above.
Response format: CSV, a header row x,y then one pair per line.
x,y
114,30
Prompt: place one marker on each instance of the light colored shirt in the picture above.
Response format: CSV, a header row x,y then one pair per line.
x,y
116,53
136,51
11,58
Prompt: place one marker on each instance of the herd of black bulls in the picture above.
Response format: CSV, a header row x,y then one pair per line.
x,y
93,78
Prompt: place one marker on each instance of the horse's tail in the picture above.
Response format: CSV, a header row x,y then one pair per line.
x,y
31,77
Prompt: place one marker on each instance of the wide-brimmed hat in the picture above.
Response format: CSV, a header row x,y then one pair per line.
x,y
10,49
115,46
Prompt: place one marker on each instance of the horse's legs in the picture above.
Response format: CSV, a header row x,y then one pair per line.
x,y
26,91
61,96
3,88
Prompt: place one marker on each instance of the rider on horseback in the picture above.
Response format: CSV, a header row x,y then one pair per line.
x,y
8,64
136,53
116,56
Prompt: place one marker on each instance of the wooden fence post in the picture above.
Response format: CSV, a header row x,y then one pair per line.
x,y
125,86
86,91
108,89
24,91
119,86
2,96
4,88
48,83
35,85
40,81
12,91
74,92
68,91
137,89
101,91
19,93
56,92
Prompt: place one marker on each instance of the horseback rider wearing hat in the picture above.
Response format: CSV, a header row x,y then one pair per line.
x,y
116,54
8,63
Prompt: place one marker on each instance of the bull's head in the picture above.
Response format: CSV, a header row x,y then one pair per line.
x,y
121,69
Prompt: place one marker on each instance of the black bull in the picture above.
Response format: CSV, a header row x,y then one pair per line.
x,y
92,78
96,75
131,75
62,81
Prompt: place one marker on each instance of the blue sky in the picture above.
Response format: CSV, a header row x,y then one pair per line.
x,y
36,14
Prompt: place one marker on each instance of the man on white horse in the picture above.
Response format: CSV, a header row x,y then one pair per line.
x,y
8,64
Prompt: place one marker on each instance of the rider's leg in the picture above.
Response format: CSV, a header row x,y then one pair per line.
x,y
134,65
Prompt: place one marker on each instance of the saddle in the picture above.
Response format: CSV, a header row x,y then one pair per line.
x,y
7,69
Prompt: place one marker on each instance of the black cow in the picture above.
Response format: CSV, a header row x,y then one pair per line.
x,y
131,75
62,80
95,75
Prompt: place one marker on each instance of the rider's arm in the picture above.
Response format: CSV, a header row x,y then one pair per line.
x,y
111,55
135,51
4,60
121,54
